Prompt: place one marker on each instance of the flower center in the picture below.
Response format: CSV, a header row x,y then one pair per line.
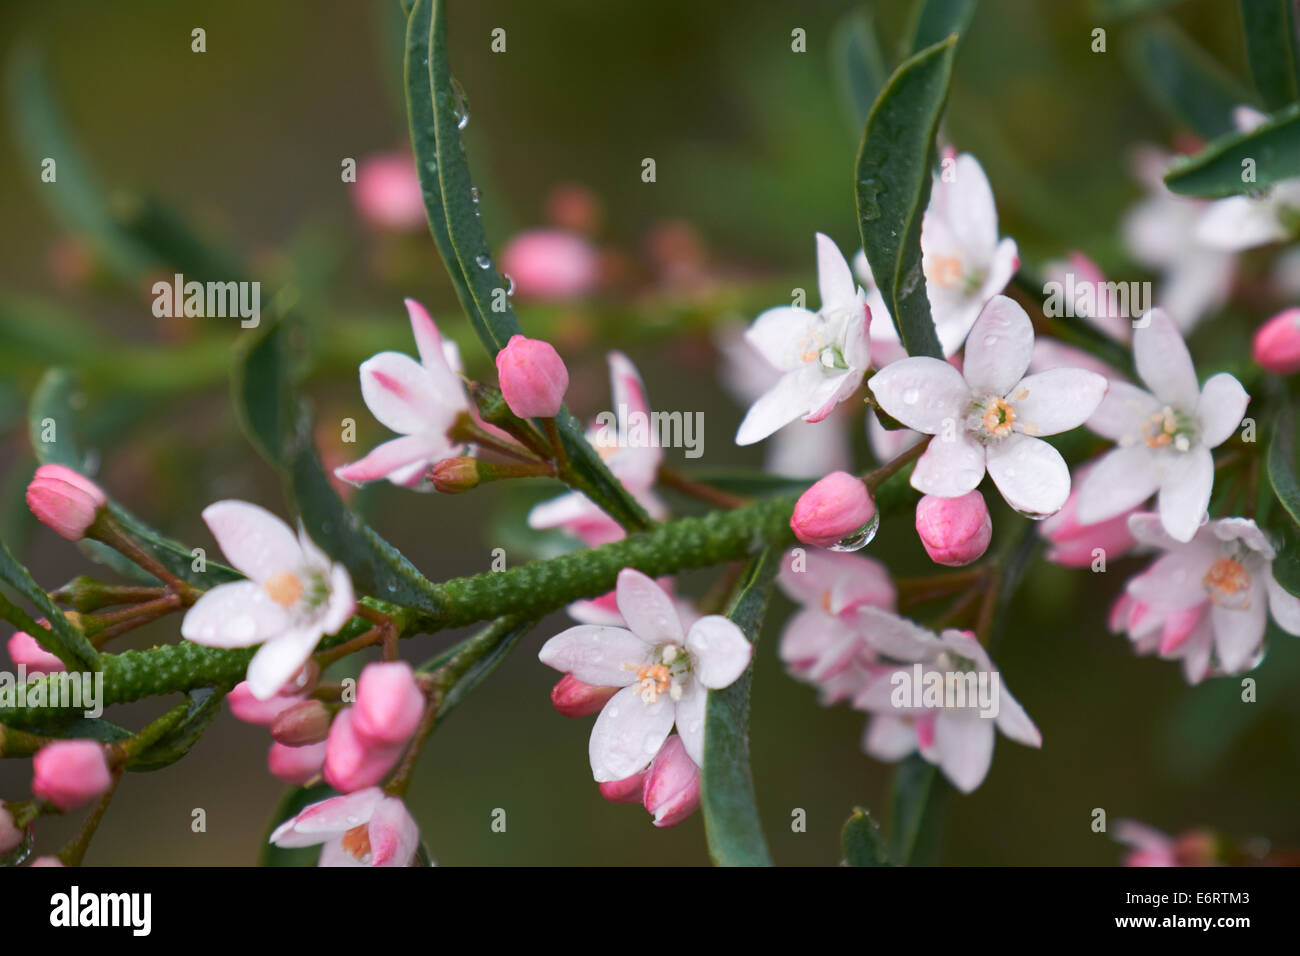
x,y
284,588
357,842
1227,580
998,418
1168,428
663,675
943,270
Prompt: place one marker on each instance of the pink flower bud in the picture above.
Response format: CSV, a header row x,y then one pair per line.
x,y
306,722
389,704
261,713
1076,545
47,861
1277,343
572,698
10,833
352,763
25,651
955,531
70,773
296,766
64,500
550,264
388,192
533,377
627,790
832,510
672,785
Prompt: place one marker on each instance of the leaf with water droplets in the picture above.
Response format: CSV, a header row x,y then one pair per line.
x,y
893,187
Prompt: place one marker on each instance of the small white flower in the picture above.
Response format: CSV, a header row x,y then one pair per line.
x,y
1164,435
822,356
1205,601
989,415
664,674
365,828
293,596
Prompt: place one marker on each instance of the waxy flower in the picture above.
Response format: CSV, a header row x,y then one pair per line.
x,y
64,500
293,596
989,415
366,828
954,531
419,400
296,766
955,736
70,773
533,377
1276,346
1164,435
664,674
671,791
835,508
632,461
1205,601
822,355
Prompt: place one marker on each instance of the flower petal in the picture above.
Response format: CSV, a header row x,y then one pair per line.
x,y
319,821
897,637
949,468
839,293
788,399
921,392
1123,412
279,660
888,738
255,541
401,394
394,835
1014,722
1121,479
1238,632
648,609
1185,492
782,335
1057,400
596,654
393,456
1238,223
719,650
1222,404
1164,363
237,614
690,720
428,342
964,745
1030,473
999,347
628,733
1284,605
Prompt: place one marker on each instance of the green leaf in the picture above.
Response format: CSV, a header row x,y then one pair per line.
x,y
936,20
204,705
861,841
293,801
857,64
1271,50
893,188
1282,462
731,823
62,639
438,110
1183,81
1216,171
51,413
262,391
918,794
1286,566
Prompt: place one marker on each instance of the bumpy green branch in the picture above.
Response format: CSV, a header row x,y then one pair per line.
x,y
528,592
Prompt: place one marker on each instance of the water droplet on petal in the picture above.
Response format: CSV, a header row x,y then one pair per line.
x,y
911,396
860,538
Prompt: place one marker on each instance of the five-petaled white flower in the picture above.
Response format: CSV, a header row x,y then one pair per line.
x,y
822,356
664,672
990,414
365,828
1164,438
420,400
1205,601
956,735
294,595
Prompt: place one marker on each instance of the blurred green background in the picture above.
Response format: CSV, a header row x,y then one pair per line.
x,y
754,149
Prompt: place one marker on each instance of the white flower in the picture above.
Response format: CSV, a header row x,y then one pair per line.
x,y
822,356
964,263
957,738
990,414
1205,601
1244,222
293,596
664,675
365,828
1164,435
420,400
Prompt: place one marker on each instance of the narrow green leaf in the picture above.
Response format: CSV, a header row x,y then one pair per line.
x,y
1272,148
918,794
204,705
936,20
1282,462
893,187
62,639
857,65
731,823
52,421
861,841
1184,81
1286,566
1271,50
262,391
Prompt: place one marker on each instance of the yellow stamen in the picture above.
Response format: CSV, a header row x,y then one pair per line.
x,y
654,679
357,842
943,270
999,416
284,588
1225,579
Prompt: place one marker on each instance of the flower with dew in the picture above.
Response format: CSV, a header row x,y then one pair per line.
x,y
1164,436
990,415
1205,601
419,400
664,671
634,462
365,828
822,356
956,735
294,595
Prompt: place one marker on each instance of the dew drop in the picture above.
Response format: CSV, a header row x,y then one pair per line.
x,y
510,285
483,261
911,396
460,105
860,538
